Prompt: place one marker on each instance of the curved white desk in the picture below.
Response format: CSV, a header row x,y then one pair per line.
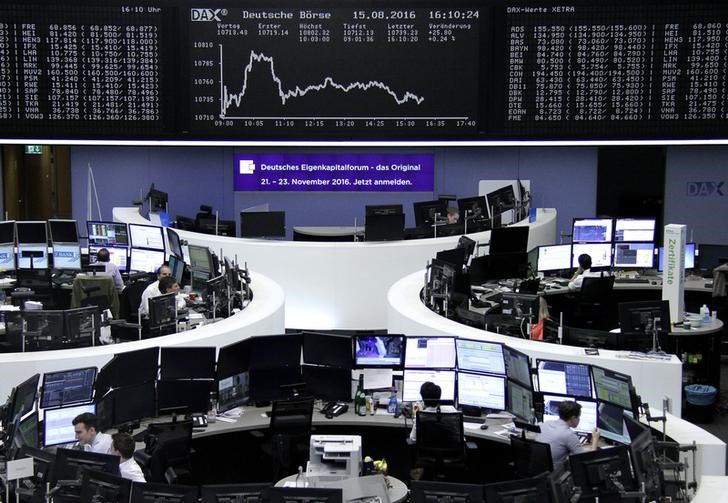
x,y
340,284
263,316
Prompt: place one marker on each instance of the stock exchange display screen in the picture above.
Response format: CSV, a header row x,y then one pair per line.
x,y
317,70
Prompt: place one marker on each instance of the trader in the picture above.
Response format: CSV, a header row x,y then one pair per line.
x,y
583,271
560,437
453,215
153,289
122,445
89,438
110,269
430,393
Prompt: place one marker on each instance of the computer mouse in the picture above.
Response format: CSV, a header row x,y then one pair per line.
x,y
483,426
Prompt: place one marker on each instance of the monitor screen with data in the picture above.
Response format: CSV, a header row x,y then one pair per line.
x,y
634,255
611,423
520,401
518,366
105,234
142,260
57,423
634,229
554,258
600,253
592,230
588,419
414,379
689,257
612,387
564,378
430,352
146,236
479,390
480,356
67,387
117,255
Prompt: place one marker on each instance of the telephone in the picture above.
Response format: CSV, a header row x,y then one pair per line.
x,y
333,409
199,420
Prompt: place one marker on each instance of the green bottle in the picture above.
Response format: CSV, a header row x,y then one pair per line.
x,y
359,401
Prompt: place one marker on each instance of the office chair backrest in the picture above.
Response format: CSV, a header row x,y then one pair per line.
x,y
440,434
530,457
597,289
103,293
292,417
174,438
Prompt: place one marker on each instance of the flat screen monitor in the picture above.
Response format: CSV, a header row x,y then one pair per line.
x,y
592,230
480,356
612,387
588,418
445,492
178,268
610,420
647,470
158,492
215,226
429,352
234,493
520,305
184,395
132,403
518,366
163,310
31,233
82,325
564,378
262,224
386,351
233,391
414,379
383,209
600,253
689,257
530,490
429,212
327,383
711,256
24,397
100,487
473,208
501,200
57,423
305,495
7,232
187,363
27,432
118,256
513,239
273,351
142,260
481,390
175,244
327,349
643,317
128,369
105,234
32,255
7,257
269,383
634,229
554,258
596,472
63,231
200,258
520,401
67,387
70,464
634,255
233,359
66,256
146,236
384,227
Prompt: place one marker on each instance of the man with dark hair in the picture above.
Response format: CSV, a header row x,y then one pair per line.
x,y
123,446
153,289
583,271
560,437
104,257
89,438
431,393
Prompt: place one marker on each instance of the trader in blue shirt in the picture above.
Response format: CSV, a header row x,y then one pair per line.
x,y
560,437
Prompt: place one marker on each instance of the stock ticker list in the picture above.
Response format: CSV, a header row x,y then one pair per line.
x,y
583,69
80,68
339,72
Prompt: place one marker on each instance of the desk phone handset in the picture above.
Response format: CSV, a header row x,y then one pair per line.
x,y
199,420
333,409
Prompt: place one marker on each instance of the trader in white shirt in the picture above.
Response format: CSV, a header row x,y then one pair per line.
x,y
153,289
123,446
584,271
89,438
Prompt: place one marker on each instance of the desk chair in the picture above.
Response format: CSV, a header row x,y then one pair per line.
x,y
95,291
167,452
290,431
530,457
12,341
593,304
441,448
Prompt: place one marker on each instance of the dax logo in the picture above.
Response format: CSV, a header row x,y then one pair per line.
x,y
246,167
704,189
207,14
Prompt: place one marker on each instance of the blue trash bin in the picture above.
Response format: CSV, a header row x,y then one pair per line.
x,y
700,399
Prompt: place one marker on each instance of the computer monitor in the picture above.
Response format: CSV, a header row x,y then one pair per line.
x,y
612,387
262,224
600,253
273,351
184,395
530,490
71,463
7,257
128,369
57,423
520,305
383,209
634,229
518,366
200,258
151,492
590,338
645,464
233,391
187,363
513,239
132,403
596,471
118,256
445,492
441,279
588,418
480,356
31,233
23,400
414,379
175,244
481,390
146,236
304,495
44,329
428,212
371,351
500,200
178,268
327,349
66,256
7,232
63,231
554,258
269,383
642,318
564,378
233,359
610,420
711,256
327,383
143,260
634,255
592,230
234,493
67,387
429,352
473,209
689,257
520,401
32,256
100,487
215,226
105,234
388,227
163,310
26,433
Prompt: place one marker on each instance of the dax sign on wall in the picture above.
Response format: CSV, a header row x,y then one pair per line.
x,y
335,172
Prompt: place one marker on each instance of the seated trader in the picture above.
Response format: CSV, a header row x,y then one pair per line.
x,y
166,285
453,215
122,445
559,436
110,269
153,289
430,393
89,438
584,271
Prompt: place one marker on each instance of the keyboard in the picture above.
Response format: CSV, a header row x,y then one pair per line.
x,y
473,419
631,280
